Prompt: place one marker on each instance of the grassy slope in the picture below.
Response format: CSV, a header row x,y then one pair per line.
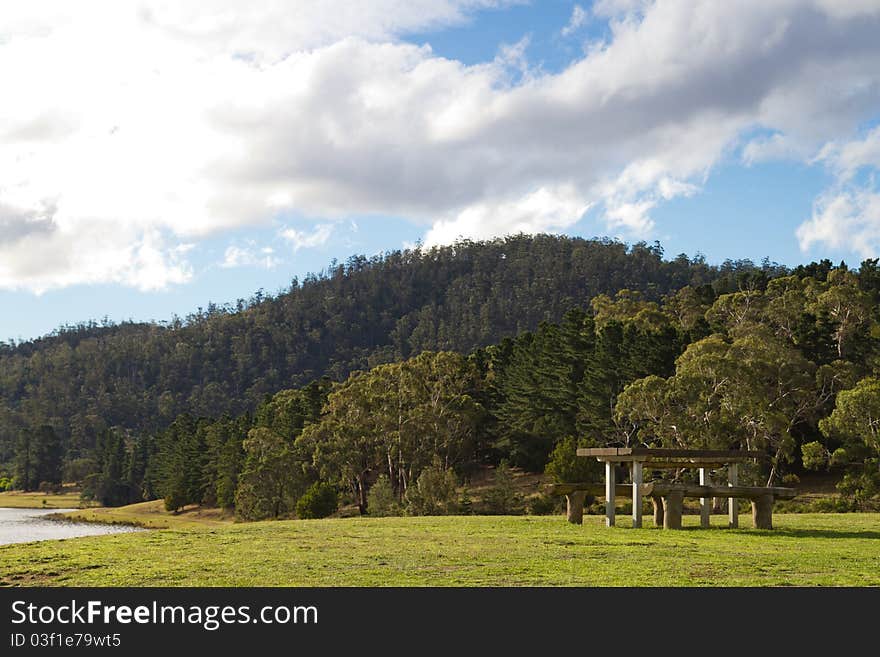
x,y
805,549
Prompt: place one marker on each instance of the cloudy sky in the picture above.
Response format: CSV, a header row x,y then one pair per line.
x,y
156,155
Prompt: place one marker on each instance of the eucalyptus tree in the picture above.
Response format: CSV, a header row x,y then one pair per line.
x,y
396,419
856,415
746,391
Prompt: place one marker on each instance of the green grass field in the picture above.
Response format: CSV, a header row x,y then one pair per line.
x,y
803,550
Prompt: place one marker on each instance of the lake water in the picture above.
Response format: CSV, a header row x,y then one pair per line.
x,y
25,525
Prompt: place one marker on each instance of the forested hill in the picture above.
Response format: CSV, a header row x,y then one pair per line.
x,y
355,315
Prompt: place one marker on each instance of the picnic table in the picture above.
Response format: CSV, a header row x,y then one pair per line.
x,y
667,497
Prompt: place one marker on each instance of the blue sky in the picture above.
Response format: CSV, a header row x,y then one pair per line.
x,y
227,148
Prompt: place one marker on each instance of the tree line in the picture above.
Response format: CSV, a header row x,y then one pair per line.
x,y
786,364
84,379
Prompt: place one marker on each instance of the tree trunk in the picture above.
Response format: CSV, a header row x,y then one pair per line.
x,y
362,496
772,476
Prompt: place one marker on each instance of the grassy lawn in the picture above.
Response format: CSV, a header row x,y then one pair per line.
x,y
803,550
20,500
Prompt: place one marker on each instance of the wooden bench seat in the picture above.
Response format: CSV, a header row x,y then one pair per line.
x,y
667,499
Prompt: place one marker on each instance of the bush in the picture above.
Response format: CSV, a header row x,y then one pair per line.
x,y
5,484
49,487
831,505
526,451
566,467
544,505
319,501
859,487
175,501
791,480
839,457
502,498
433,494
381,500
465,502
78,469
814,456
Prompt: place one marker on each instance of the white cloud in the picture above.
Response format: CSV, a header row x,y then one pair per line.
x,y
844,219
94,253
847,158
847,215
113,132
579,17
307,239
127,128
542,211
774,147
249,256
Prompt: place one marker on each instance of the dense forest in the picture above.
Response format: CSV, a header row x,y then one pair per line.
x,y
389,380
83,379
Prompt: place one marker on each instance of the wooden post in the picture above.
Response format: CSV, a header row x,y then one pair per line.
x,y
609,493
705,502
732,502
637,493
672,509
575,506
657,501
762,512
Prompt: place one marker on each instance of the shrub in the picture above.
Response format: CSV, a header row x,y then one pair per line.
x,y
502,498
78,469
566,467
859,487
175,500
319,501
831,505
380,499
465,503
839,457
791,479
814,455
544,505
5,484
433,494
49,487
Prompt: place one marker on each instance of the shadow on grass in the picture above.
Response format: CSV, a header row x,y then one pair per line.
x,y
793,533
825,533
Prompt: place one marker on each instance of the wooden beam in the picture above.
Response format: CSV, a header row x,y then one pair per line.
x,y
598,451
732,502
678,462
719,454
637,493
762,512
609,494
594,490
692,490
660,488
672,506
657,501
574,507
705,502
681,463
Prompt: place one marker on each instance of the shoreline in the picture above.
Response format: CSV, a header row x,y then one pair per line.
x,y
71,516
152,515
